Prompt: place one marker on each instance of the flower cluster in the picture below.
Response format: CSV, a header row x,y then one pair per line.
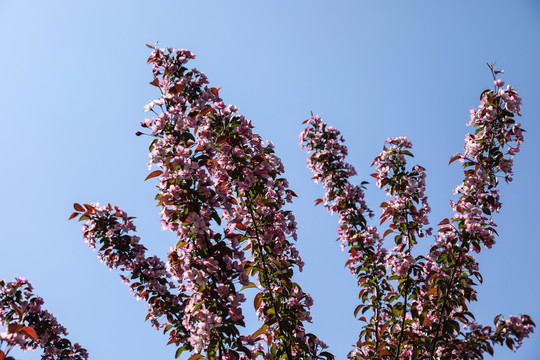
x,y
407,187
375,266
147,277
367,256
432,292
30,326
450,266
221,191
328,165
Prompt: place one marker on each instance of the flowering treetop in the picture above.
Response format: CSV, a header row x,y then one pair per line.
x,y
221,191
418,304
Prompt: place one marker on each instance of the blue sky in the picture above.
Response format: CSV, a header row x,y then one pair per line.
x,y
74,79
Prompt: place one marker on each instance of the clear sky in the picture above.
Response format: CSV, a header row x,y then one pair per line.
x,y
74,79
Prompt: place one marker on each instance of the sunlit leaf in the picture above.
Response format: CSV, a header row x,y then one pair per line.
x,y
153,174
257,301
207,110
30,332
454,158
250,285
444,222
179,351
432,290
89,208
78,207
195,357
261,331
220,140
19,311
14,328
241,226
198,305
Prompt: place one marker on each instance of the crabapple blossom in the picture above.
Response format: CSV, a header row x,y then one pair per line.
x,y
214,168
30,326
222,193
430,298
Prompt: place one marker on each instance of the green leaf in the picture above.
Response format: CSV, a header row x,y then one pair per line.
x,y
198,305
250,285
152,144
179,351
407,152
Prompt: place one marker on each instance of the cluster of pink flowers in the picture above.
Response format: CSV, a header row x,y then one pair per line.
x,y
432,292
374,265
328,165
367,256
407,187
451,265
521,327
147,277
30,326
222,193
